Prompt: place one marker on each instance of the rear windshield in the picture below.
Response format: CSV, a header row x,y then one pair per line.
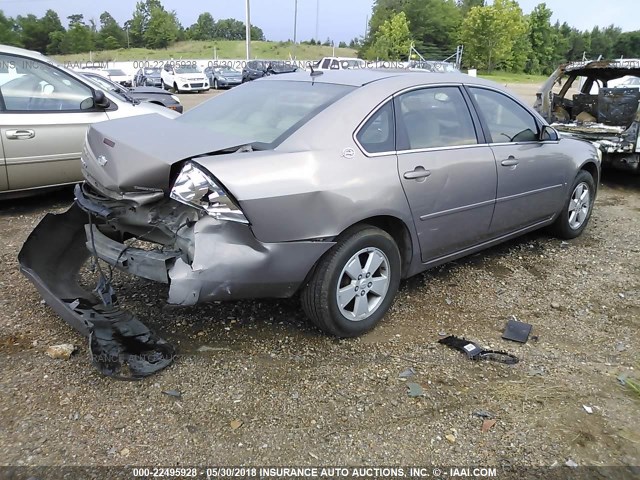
x,y
266,112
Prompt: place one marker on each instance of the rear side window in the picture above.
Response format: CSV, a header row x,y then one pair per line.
x,y
433,117
378,133
506,119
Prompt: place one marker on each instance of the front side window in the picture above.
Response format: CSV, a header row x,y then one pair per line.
x,y
434,118
506,119
378,133
265,112
32,85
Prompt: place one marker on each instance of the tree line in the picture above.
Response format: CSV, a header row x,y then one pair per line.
x,y
495,36
151,26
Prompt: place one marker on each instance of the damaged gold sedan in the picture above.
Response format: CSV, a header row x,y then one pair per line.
x,y
587,100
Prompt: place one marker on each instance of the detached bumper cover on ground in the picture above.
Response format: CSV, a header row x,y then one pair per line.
x,y
51,258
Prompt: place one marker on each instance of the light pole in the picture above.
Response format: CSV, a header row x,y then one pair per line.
x,y
248,32
295,21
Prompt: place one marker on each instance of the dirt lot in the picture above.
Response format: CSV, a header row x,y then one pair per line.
x,y
268,389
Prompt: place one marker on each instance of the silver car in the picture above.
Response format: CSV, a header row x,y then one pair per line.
x,y
335,186
44,113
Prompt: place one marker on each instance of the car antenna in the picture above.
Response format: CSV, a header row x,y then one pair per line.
x,y
315,73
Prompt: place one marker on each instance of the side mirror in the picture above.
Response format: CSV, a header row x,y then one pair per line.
x,y
548,133
100,100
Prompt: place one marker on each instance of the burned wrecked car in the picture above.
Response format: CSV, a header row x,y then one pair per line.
x,y
335,186
584,100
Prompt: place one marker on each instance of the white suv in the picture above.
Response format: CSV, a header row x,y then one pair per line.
x,y
184,77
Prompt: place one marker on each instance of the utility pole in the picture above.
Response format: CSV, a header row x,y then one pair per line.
x,y
248,31
295,21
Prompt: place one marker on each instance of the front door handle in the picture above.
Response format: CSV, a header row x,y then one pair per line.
x,y
417,174
510,162
20,134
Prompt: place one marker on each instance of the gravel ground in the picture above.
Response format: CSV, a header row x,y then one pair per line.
x,y
269,389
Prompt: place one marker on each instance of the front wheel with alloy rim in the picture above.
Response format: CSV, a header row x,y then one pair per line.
x,y
576,212
354,284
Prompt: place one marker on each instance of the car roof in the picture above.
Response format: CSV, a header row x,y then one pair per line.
x,y
23,52
394,77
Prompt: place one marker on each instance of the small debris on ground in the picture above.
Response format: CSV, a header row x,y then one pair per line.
x,y
483,414
571,463
235,424
409,372
451,438
60,352
555,305
588,409
125,452
415,390
172,393
487,425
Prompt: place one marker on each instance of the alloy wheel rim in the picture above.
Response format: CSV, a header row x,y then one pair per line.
x,y
579,205
363,284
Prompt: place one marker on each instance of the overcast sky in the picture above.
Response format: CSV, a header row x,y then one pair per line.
x,y
338,19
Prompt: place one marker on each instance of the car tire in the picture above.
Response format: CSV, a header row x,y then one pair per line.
x,y
576,211
344,267
175,88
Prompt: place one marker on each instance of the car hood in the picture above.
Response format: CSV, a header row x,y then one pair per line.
x,y
137,153
191,76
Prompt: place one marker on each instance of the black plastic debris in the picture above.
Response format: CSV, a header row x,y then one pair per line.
x,y
517,331
475,352
121,345
173,393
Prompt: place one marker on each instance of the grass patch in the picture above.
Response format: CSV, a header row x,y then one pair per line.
x,y
226,49
507,77
633,385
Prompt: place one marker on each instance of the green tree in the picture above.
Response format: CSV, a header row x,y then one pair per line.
x,y
110,33
34,31
140,21
383,10
9,34
466,5
434,26
162,29
628,45
256,34
230,29
204,28
542,39
489,34
56,43
79,37
393,39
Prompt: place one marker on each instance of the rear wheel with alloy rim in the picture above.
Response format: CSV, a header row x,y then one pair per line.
x,y
575,214
354,284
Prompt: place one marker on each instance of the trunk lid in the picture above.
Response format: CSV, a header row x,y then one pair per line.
x,y
137,153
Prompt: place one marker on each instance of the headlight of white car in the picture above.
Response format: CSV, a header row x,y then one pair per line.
x,y
195,187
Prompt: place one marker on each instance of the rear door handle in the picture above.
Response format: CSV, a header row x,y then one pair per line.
x,y
510,162
417,174
20,134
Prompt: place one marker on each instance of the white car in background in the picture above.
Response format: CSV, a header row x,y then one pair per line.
x,y
119,76
186,77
